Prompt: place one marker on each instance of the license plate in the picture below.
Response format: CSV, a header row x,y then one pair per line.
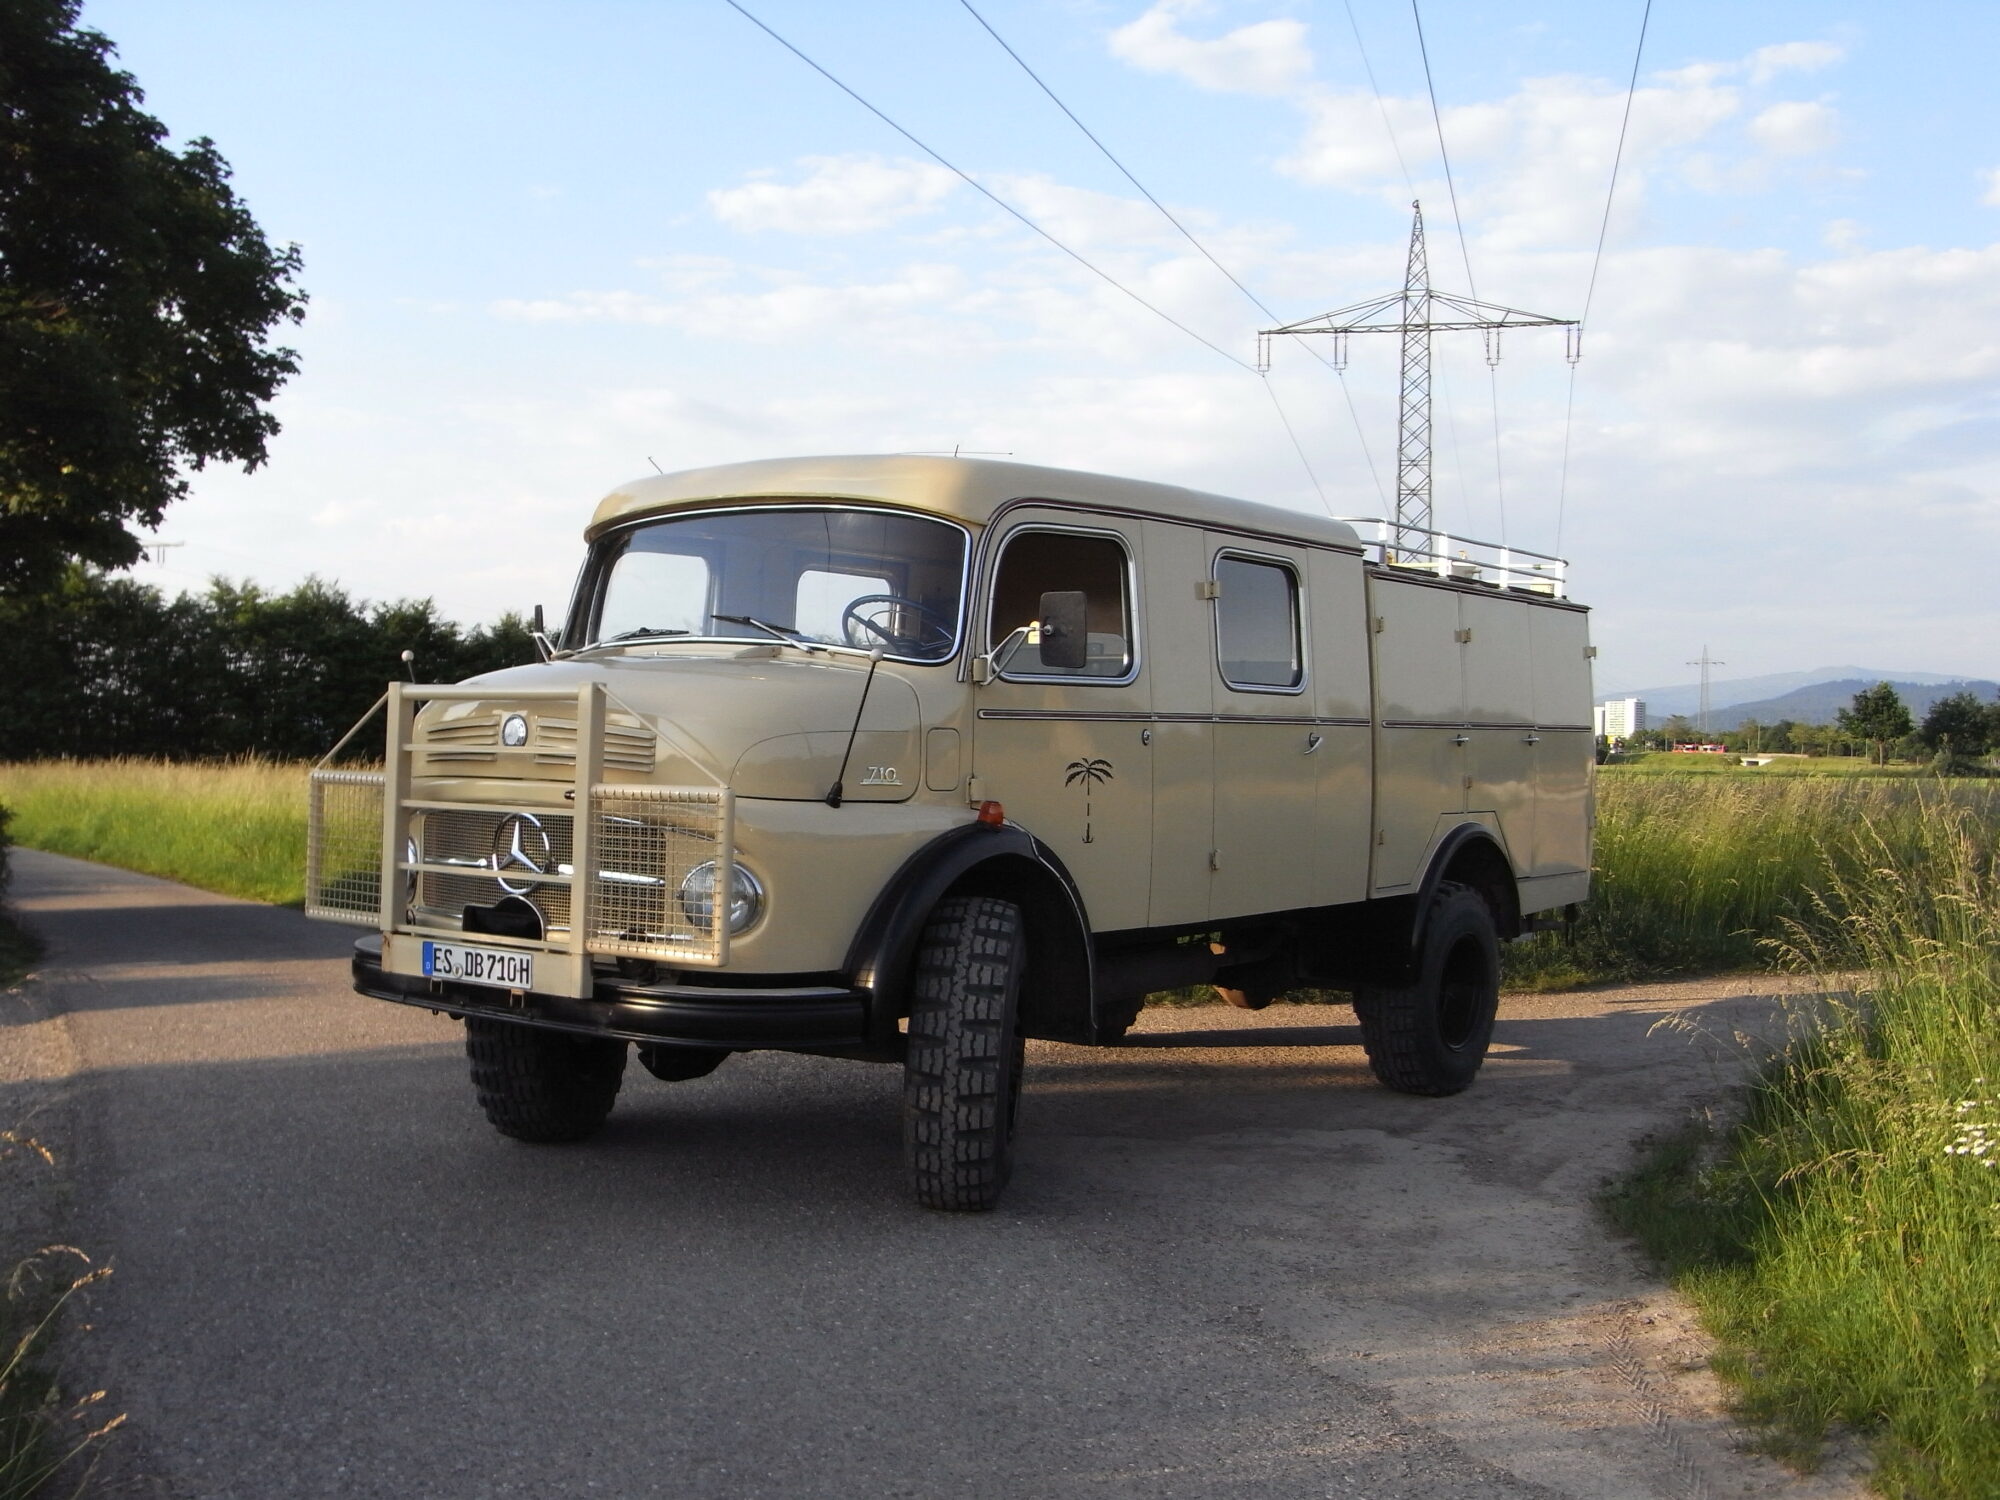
x,y
503,967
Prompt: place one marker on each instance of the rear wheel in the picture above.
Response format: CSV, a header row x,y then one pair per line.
x,y
542,1086
962,1071
1431,1037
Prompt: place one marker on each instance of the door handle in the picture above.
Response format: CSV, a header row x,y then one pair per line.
x,y
1533,739
1461,739
1313,742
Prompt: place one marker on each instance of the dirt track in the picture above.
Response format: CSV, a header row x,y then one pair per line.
x,y
1230,1265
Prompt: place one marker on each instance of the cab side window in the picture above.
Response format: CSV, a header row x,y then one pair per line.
x,y
1034,563
1257,625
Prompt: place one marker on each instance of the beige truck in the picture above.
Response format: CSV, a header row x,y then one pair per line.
x,y
909,759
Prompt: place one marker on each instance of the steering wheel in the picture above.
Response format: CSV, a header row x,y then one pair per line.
x,y
865,624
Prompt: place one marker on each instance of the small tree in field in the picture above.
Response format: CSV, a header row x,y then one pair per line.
x,y
1877,716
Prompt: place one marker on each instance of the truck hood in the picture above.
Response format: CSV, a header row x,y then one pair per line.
x,y
765,722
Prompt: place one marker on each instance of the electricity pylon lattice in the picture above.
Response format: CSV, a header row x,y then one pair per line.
x,y
1416,312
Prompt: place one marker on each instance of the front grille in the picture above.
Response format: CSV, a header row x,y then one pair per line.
x,y
469,838
648,840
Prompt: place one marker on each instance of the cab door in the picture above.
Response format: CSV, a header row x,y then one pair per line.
x,y
1062,748
1266,781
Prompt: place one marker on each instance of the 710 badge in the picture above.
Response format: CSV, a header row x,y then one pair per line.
x,y
495,966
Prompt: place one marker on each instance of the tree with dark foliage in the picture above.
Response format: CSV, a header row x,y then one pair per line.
x,y
1958,725
1878,716
107,666
137,297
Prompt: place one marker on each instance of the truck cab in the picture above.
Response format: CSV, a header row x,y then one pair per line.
x,y
910,759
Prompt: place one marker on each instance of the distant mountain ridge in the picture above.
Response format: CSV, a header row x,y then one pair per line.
x,y
1819,703
1752,696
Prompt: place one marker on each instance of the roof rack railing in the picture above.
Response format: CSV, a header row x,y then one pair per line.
x,y
1463,559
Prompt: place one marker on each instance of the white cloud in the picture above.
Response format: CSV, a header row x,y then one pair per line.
x,y
839,195
1266,57
1992,193
1767,63
792,308
1795,128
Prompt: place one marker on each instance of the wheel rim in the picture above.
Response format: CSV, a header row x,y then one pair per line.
x,y
1461,993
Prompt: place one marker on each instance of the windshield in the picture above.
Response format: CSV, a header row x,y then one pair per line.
x,y
813,574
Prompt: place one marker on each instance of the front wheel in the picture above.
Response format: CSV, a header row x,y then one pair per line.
x,y
542,1086
962,1070
1431,1037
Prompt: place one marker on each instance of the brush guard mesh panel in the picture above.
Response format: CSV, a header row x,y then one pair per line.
x,y
344,846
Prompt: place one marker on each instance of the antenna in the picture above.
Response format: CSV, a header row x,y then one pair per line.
x,y
1416,312
1705,661
655,463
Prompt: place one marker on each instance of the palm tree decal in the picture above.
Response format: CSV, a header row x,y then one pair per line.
x,y
1089,771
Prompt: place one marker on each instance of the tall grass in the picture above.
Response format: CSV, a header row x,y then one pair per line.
x,y
1698,874
1843,1241
238,828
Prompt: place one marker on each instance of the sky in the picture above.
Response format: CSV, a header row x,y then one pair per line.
x,y
549,248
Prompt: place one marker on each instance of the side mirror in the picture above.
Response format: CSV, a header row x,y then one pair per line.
x,y
1065,639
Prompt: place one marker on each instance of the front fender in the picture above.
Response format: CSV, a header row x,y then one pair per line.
x,y
1058,989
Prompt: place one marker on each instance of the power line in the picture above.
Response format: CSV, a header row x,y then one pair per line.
x,y
1596,261
1381,104
1109,156
1437,118
1271,391
1189,236
1624,124
989,194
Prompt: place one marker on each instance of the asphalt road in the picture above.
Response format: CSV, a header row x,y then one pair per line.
x,y
1229,1265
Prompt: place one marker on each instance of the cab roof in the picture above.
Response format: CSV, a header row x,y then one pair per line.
x,y
971,490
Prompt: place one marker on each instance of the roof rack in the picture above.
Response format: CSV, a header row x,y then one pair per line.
x,y
1462,559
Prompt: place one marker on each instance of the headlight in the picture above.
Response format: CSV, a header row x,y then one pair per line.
x,y
746,896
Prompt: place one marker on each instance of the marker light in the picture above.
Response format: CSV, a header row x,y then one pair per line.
x,y
992,814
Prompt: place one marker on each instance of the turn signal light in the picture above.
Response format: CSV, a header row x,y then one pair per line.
x,y
992,814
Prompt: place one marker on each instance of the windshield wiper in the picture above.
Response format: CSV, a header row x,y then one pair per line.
x,y
645,631
784,633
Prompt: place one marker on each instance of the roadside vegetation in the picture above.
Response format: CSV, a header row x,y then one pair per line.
x,y
238,827
47,1438
1701,874
1842,1239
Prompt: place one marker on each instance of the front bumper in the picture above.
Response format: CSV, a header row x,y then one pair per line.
x,y
811,1018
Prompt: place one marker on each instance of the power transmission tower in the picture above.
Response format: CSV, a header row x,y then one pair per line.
x,y
1705,662
1416,312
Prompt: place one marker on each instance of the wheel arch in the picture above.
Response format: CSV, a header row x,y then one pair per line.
x,y
1470,855
1058,989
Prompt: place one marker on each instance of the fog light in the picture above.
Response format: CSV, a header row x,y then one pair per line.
x,y
746,896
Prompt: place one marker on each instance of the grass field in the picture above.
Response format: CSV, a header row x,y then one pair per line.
x,y
238,828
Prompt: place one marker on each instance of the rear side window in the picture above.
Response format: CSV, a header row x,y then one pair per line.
x,y
1257,625
1040,562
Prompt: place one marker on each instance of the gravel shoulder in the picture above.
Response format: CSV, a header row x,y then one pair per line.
x,y
1229,1264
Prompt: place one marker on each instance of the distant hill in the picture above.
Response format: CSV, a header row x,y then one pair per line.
x,y
1818,703
1755,694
